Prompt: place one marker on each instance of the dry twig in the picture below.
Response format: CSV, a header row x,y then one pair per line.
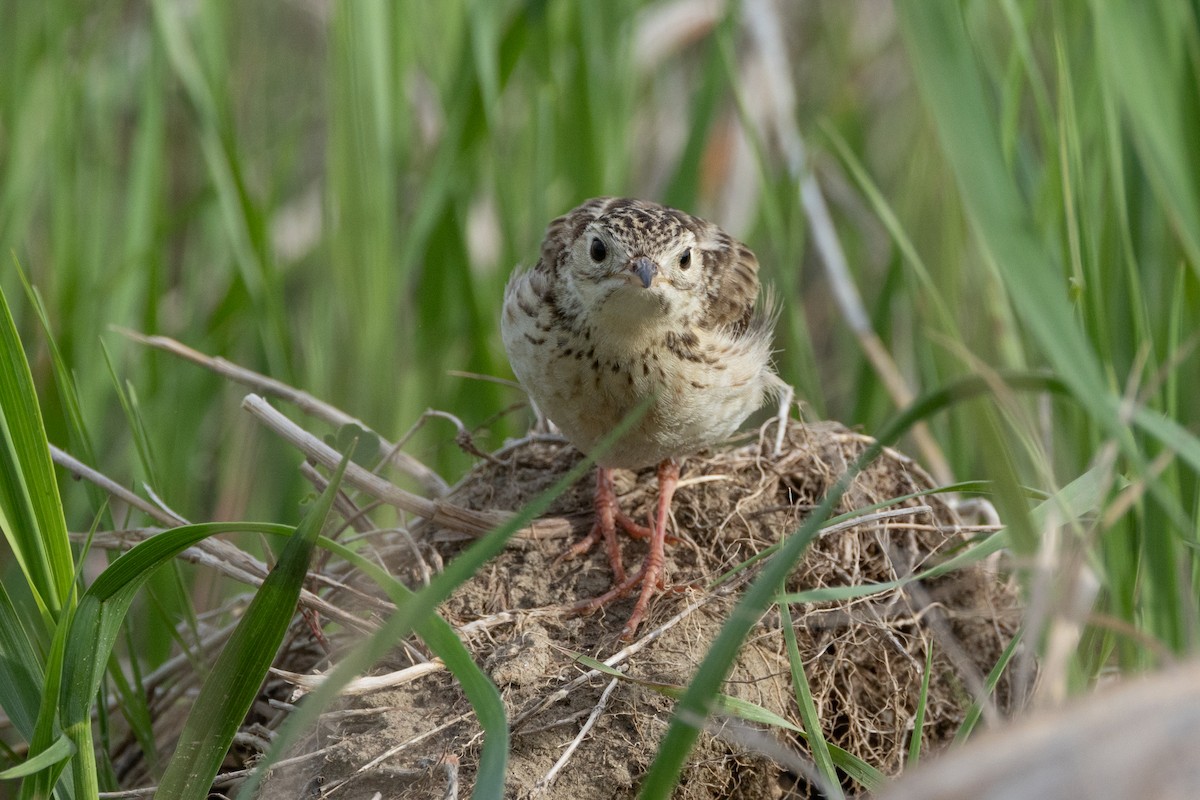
x,y
261,384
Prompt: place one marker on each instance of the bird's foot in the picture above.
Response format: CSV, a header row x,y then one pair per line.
x,y
631,527
649,577
604,528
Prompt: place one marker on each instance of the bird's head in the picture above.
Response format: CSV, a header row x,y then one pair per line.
x,y
630,259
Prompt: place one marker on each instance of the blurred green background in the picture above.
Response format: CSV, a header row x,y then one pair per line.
x,y
334,194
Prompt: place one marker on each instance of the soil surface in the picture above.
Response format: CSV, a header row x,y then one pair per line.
x,y
864,658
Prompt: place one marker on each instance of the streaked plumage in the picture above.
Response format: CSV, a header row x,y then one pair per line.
x,y
632,300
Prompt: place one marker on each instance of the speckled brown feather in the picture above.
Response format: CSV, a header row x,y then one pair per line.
x,y
732,288
637,306
731,269
700,342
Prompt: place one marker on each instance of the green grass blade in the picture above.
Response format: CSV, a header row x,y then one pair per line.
x,y
696,703
1173,435
1145,54
683,188
862,772
103,606
887,215
81,443
31,513
993,677
724,703
55,754
948,75
82,776
808,709
483,25
133,418
242,220
233,684
21,673
914,742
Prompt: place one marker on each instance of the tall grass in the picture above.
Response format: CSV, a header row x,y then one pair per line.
x,y
335,194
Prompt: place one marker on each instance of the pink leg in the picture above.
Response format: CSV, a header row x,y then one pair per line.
x,y
650,575
632,528
604,528
652,567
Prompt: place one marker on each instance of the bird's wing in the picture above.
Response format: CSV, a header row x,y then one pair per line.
x,y
731,280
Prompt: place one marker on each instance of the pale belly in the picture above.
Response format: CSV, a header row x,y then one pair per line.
x,y
686,406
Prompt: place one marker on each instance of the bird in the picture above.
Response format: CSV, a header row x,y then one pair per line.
x,y
631,304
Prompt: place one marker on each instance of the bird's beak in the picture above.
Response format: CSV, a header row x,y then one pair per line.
x,y
644,269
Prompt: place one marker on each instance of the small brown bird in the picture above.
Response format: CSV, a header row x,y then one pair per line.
x,y
632,300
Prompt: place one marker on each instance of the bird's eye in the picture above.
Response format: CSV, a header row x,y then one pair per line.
x,y
685,260
598,251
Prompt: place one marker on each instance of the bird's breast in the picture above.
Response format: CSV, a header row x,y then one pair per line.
x,y
588,381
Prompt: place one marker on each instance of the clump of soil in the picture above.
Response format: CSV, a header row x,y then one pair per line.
x,y
864,658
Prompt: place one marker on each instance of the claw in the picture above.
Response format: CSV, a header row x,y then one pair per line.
x,y
607,513
651,572
649,577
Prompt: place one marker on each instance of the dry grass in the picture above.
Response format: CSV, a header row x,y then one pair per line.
x,y
865,657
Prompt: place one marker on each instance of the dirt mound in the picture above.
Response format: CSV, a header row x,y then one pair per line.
x,y
864,657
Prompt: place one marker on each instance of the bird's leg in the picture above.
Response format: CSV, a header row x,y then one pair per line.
x,y
650,574
629,526
607,513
